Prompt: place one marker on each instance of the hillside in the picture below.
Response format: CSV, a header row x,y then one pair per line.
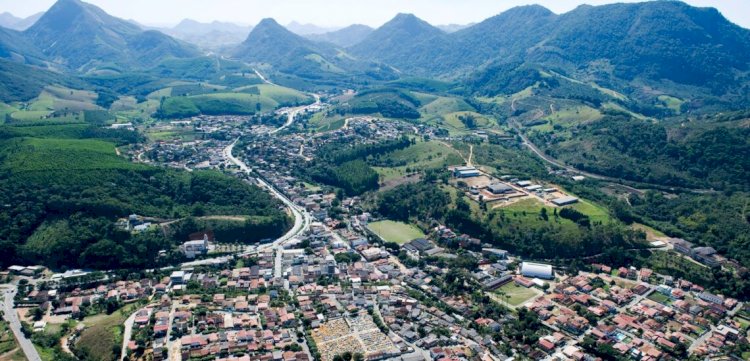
x,y
405,42
84,37
292,54
65,194
643,49
345,37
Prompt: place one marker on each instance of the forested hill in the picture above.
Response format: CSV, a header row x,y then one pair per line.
x,y
665,46
62,196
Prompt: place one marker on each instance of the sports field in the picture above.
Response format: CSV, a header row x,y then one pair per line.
x,y
392,231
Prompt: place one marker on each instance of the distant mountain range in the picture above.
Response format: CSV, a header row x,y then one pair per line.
x,y
635,48
629,47
273,44
9,21
82,37
348,36
214,36
308,29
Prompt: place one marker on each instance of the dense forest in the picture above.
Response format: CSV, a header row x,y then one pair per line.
x,y
61,198
342,165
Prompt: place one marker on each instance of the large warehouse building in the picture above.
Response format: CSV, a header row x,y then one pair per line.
x,y
537,270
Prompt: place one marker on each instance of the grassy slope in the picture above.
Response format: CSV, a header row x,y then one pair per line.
x,y
103,333
41,155
421,156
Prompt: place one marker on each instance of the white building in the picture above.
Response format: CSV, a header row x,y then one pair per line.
x,y
537,270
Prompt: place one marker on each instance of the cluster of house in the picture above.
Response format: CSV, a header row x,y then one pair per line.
x,y
639,314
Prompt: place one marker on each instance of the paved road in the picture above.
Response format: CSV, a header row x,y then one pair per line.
x,y
10,315
127,333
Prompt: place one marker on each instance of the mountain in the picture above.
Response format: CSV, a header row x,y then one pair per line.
x,y
189,26
292,54
655,40
214,36
28,22
406,42
272,43
346,37
308,29
10,21
640,49
452,28
15,46
84,37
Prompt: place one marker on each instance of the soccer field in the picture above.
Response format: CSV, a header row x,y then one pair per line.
x,y
398,232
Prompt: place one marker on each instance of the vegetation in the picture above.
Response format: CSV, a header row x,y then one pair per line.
x,y
543,239
66,194
636,150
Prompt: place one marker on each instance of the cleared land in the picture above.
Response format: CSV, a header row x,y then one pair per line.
x,y
418,157
392,231
103,334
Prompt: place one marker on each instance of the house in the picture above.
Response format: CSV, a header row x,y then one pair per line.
x,y
537,270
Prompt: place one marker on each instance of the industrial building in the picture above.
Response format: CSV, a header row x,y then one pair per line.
x,y
499,188
466,172
537,270
564,201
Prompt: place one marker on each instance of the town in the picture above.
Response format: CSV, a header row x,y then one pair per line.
x,y
333,288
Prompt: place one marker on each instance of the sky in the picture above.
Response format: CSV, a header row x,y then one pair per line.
x,y
335,13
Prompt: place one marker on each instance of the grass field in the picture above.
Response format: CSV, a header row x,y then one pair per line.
x,y
659,297
744,323
444,105
418,157
322,122
283,96
102,333
392,231
7,342
675,104
517,295
567,117
528,210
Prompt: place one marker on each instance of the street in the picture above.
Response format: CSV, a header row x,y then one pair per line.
x,y
10,315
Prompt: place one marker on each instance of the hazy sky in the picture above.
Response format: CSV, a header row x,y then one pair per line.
x,y
335,12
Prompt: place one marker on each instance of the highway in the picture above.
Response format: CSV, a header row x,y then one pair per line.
x,y
10,315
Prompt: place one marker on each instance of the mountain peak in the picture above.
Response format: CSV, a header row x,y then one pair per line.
x,y
269,22
409,24
82,35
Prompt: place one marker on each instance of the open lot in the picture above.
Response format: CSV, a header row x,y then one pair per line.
x,y
392,231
